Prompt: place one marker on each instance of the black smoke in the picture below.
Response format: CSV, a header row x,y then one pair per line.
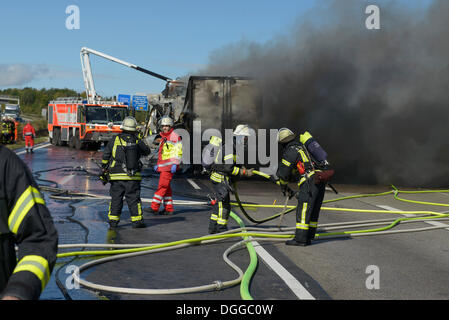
x,y
376,100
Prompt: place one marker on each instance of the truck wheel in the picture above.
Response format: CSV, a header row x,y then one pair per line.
x,y
78,143
71,142
56,137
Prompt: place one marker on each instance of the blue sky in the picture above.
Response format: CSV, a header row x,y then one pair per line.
x,y
172,38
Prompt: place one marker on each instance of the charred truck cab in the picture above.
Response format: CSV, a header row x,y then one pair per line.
x,y
79,124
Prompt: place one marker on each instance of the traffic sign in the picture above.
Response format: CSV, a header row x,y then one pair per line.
x,y
140,103
124,98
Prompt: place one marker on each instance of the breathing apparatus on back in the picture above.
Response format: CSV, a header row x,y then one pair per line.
x,y
132,164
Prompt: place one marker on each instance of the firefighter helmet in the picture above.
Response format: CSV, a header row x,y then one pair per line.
x,y
129,124
167,121
285,135
242,130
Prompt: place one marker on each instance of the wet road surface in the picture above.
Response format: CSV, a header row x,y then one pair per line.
x,y
388,266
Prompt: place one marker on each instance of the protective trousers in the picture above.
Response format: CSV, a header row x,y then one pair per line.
x,y
29,142
222,208
130,189
163,194
308,210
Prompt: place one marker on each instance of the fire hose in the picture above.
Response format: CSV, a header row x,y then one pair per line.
x,y
272,235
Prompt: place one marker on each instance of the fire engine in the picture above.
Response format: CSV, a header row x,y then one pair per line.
x,y
80,123
84,123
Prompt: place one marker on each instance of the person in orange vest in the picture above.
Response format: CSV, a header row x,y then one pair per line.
x,y
28,135
169,158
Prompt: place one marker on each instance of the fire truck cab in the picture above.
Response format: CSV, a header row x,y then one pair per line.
x,y
79,124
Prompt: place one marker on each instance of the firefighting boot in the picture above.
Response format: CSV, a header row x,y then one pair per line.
x,y
222,228
311,234
212,227
138,224
294,242
301,238
113,224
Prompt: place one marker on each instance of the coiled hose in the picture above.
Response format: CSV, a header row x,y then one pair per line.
x,y
269,235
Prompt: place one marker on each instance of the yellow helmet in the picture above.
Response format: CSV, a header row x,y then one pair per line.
x,y
285,135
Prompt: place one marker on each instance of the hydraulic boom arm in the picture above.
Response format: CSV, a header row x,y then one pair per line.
x,y
87,71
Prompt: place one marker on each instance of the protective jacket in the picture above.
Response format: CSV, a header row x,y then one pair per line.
x,y
28,130
170,151
221,165
303,161
121,157
223,168
26,222
5,128
296,164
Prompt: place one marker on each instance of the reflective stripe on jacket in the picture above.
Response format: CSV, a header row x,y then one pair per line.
x,y
292,154
224,166
25,222
170,150
114,156
28,130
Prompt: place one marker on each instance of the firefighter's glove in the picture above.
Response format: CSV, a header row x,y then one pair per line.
x,y
274,179
287,191
248,172
173,168
104,176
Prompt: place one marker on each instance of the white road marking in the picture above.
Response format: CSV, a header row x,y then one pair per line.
x,y
298,289
434,223
43,146
197,187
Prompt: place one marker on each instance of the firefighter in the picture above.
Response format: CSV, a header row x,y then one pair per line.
x,y
121,163
303,161
223,170
10,129
5,131
169,159
28,135
25,222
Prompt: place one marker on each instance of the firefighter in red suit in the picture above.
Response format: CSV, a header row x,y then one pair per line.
x,y
169,158
28,135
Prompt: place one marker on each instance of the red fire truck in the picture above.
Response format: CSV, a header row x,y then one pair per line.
x,y
79,124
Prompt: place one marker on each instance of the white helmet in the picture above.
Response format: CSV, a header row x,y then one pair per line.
x,y
129,124
242,130
285,135
167,121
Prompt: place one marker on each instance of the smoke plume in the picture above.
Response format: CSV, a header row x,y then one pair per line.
x,y
20,74
376,100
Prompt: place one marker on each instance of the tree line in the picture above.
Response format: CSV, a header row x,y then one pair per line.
x,y
32,100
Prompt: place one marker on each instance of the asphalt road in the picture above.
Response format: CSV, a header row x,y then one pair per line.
x,y
398,266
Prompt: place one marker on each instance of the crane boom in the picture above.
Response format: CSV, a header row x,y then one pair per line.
x,y
87,71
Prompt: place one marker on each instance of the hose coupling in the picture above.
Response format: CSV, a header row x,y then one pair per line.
x,y
218,285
